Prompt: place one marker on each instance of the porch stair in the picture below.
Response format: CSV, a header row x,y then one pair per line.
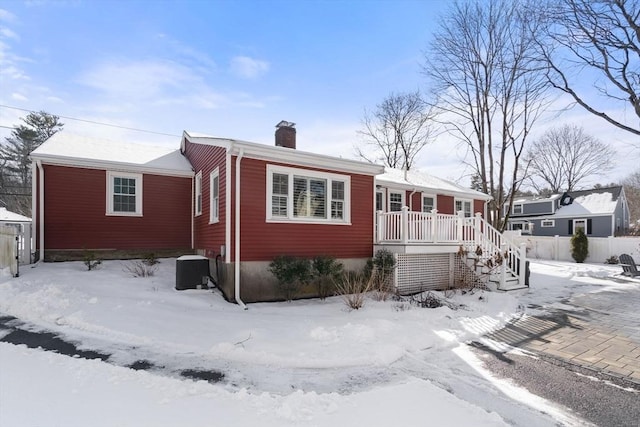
x,y
497,262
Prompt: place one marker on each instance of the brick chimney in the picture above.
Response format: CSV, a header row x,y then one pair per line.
x,y
286,134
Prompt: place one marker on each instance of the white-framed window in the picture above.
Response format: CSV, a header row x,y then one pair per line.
x,y
396,201
198,195
580,223
379,201
517,209
428,203
548,223
124,194
465,206
214,196
302,195
524,227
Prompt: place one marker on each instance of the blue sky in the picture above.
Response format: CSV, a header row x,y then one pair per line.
x,y
226,68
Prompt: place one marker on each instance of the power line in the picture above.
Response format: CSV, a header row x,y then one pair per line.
x,y
88,121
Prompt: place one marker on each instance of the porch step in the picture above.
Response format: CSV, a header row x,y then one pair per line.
x,y
510,284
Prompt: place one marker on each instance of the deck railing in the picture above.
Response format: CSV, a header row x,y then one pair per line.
x,y
473,234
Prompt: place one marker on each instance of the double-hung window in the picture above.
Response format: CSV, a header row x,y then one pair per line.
x,y
428,203
307,196
214,196
396,201
464,206
124,194
198,190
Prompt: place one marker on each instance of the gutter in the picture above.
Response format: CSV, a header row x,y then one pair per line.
x,y
237,236
41,207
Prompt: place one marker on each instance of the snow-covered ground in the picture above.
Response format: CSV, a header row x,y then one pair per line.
x,y
307,363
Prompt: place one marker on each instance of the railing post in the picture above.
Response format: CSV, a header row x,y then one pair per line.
x,y
404,230
460,228
434,225
503,269
379,226
523,264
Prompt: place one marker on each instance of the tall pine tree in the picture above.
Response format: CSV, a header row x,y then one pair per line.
x,y
15,175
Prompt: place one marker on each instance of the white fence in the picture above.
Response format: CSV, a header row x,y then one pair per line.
x,y
559,248
8,249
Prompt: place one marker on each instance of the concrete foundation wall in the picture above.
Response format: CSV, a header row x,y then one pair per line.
x,y
257,284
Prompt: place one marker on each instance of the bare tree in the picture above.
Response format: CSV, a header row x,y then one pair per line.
x,y
397,130
490,89
564,157
632,190
598,40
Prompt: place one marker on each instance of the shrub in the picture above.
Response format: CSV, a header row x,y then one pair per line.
x,y
292,273
612,260
380,270
151,259
353,288
140,268
325,270
579,246
90,260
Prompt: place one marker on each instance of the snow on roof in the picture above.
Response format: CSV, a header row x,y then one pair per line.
x,y
589,204
424,181
9,216
64,145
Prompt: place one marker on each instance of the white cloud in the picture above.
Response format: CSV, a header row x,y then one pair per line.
x,y
7,16
7,33
248,68
19,97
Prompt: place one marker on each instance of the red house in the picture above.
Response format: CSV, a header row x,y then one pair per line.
x,y
238,203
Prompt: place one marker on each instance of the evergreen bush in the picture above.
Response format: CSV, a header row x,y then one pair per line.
x,y
292,274
579,246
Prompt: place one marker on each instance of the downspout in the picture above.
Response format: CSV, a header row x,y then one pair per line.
x,y
193,209
34,206
237,236
41,203
411,200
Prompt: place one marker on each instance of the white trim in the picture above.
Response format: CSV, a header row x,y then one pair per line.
x,y
227,209
435,201
107,165
464,201
236,266
520,205
403,202
213,219
586,226
552,221
198,192
109,205
285,155
306,173
41,202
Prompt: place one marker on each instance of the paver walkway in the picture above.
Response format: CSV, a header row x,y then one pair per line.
x,y
601,334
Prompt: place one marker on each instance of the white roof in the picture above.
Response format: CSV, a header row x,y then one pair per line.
x,y
425,182
70,149
9,216
283,154
589,204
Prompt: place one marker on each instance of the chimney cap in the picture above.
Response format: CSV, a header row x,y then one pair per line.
x,y
285,124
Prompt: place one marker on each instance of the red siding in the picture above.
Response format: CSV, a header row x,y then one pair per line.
x,y
478,206
262,241
75,212
414,201
446,204
206,158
